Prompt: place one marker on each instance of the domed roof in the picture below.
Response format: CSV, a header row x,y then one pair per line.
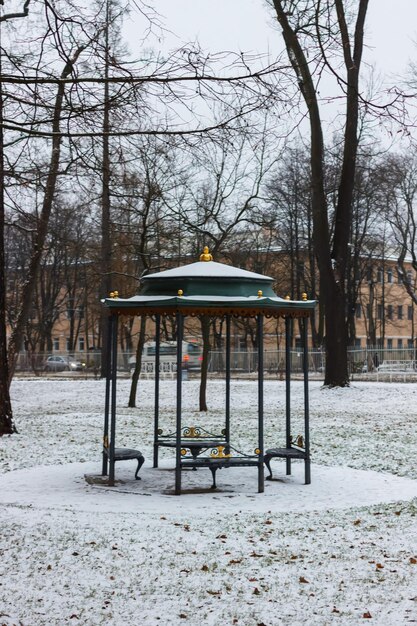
x,y
207,287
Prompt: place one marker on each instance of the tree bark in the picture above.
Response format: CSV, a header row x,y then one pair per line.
x,y
6,416
138,366
332,262
106,248
42,228
205,329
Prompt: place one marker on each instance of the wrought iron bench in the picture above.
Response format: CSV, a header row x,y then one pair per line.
x,y
193,438
126,454
213,464
296,450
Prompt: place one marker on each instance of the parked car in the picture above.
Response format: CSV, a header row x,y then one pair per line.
x,y
55,363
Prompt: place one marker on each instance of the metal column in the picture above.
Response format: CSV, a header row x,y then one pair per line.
x,y
105,467
260,329
307,470
288,390
113,399
156,410
180,332
227,407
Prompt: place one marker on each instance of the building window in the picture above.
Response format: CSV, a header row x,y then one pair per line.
x,y
380,275
368,311
400,312
409,277
380,311
389,344
81,312
68,344
389,275
410,344
56,343
399,344
358,311
369,272
81,344
390,312
410,313
357,342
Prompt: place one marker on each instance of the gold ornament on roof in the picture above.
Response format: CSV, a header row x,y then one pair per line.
x,y
304,296
206,256
114,294
180,292
288,297
260,293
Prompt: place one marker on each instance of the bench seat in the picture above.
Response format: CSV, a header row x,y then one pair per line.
x,y
126,454
214,464
282,453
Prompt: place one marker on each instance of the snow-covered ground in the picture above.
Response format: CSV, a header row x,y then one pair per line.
x,y
339,551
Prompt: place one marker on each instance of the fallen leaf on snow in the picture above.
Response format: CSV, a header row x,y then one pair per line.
x,y
303,580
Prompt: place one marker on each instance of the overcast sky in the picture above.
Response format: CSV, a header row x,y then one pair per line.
x,y
247,25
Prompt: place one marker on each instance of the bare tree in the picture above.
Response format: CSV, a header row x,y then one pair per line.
x,y
317,38
6,415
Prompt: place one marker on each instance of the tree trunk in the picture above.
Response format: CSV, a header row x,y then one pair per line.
x,y
205,329
332,263
42,228
106,248
138,366
6,416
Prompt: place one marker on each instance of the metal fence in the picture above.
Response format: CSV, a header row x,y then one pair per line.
x,y
363,363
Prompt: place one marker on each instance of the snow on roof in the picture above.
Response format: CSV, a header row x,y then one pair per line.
x,y
210,269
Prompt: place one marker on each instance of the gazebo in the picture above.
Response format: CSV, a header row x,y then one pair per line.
x,y
207,288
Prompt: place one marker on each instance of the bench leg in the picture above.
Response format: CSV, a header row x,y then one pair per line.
x,y
288,466
267,461
307,474
213,471
141,460
261,479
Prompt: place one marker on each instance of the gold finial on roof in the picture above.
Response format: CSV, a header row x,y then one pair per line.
x,y
288,297
116,294
206,256
180,292
260,293
304,296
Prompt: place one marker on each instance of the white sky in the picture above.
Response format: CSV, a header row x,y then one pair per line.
x,y
247,25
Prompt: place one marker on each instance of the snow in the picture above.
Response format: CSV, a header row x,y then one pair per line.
x,y
208,269
333,552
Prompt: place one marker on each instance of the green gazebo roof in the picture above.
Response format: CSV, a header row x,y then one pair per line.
x,y
210,288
